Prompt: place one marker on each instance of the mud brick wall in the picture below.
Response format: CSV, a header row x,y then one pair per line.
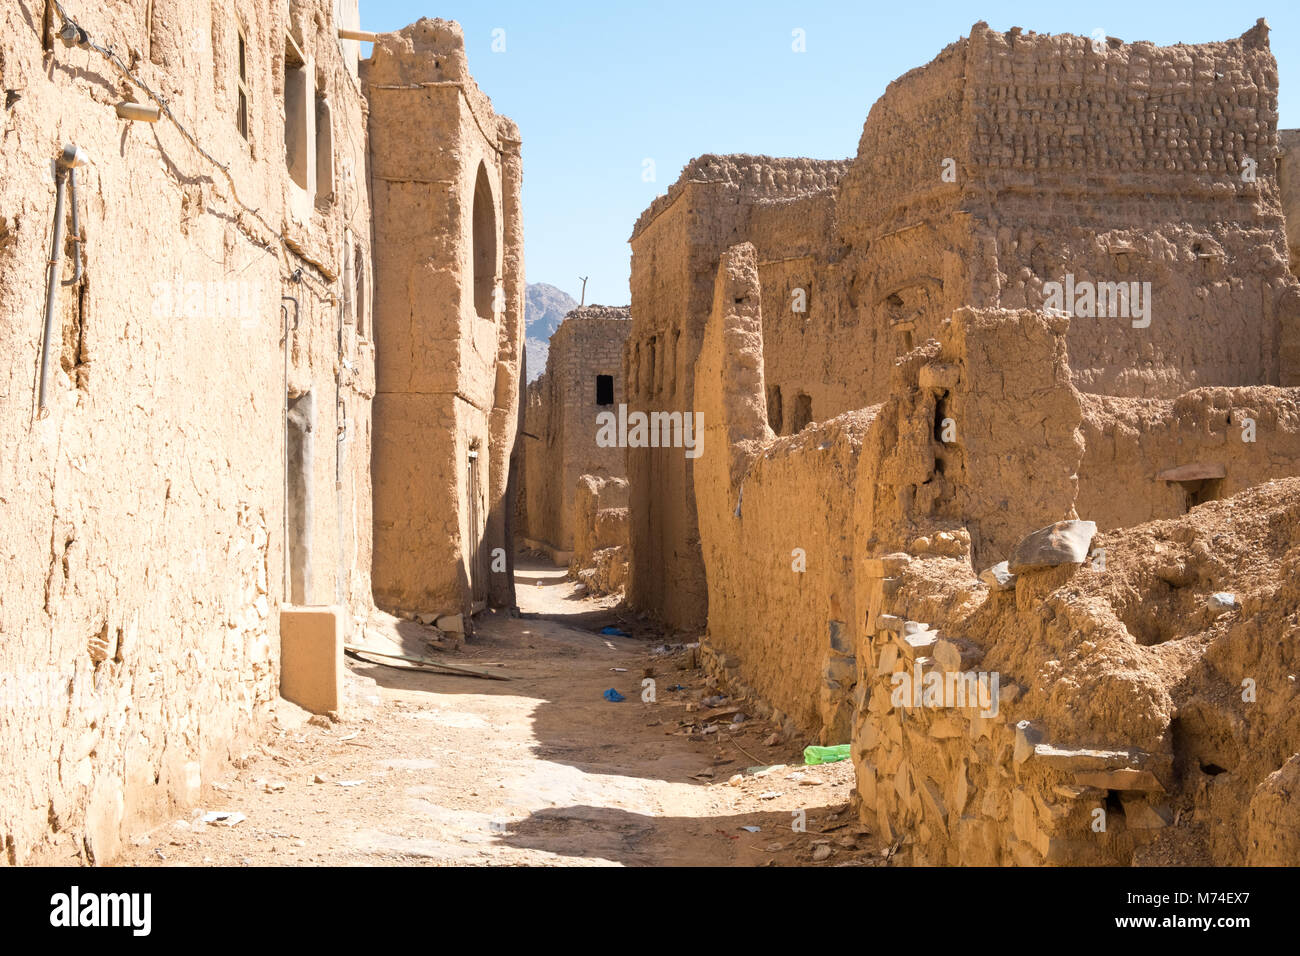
x,y
445,170
1289,188
980,433
1122,734
144,516
930,509
775,524
600,517
818,362
1127,165
1119,680
561,442
1120,165
600,534
675,249
905,235
1130,443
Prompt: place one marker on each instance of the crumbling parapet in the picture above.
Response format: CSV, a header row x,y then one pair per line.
x,y
1073,711
968,419
1034,714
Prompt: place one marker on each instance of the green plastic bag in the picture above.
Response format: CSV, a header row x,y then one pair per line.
x,y
814,755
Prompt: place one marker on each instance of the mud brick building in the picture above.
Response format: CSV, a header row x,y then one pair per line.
x,y
446,175
883,344
584,377
675,248
187,429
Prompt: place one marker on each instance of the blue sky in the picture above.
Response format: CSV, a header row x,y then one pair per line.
x,y
598,86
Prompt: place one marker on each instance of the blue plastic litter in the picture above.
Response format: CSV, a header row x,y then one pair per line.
x,y
613,631
613,696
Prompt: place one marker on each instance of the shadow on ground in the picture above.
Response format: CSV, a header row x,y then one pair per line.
x,y
635,839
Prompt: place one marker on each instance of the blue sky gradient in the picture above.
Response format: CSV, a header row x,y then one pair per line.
x,y
599,87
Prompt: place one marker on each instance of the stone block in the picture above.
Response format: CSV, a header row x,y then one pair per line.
x,y
1027,737
888,659
954,655
999,577
451,623
1200,471
919,644
1125,778
1065,542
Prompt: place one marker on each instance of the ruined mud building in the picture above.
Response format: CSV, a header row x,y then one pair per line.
x,y
189,478
446,175
583,377
891,408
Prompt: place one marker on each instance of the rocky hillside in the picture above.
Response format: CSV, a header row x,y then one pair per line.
x,y
545,307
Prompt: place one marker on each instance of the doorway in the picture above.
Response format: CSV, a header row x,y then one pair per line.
x,y
477,579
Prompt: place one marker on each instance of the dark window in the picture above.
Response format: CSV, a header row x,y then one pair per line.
x,y
604,389
803,415
774,414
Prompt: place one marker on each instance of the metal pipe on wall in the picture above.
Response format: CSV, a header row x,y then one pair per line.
x,y
71,157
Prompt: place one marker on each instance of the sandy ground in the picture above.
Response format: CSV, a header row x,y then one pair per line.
x,y
435,769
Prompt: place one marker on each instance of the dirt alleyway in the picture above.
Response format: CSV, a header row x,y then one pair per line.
x,y
435,769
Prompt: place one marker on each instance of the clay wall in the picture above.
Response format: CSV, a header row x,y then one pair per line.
x,y
600,534
775,525
562,412
1014,159
904,227
448,316
1115,674
1289,190
145,514
675,249
818,361
600,517
1135,163
1147,459
1120,734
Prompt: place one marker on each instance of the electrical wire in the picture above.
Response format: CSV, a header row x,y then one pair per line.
x,y
82,37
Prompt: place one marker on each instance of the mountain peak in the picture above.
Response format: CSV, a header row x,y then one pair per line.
x,y
545,307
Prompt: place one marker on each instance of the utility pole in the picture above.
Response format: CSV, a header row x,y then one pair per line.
x,y
584,291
